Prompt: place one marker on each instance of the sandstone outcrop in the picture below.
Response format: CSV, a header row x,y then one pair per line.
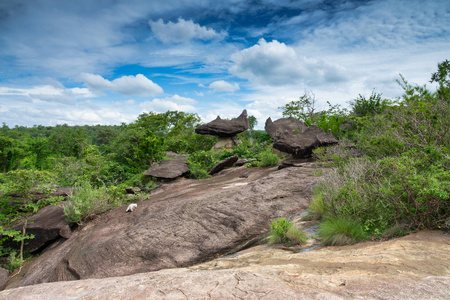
x,y
171,168
226,163
412,267
294,137
184,223
225,128
47,225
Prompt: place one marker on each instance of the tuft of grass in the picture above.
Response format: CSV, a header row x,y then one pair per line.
x,y
285,232
341,231
317,208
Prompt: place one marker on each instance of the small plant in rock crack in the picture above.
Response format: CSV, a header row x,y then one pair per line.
x,y
283,231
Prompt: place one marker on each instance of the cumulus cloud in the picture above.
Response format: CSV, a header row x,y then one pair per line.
x,y
138,85
223,86
175,102
276,64
46,93
182,31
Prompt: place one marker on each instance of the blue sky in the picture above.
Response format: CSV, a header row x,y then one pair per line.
x,y
106,62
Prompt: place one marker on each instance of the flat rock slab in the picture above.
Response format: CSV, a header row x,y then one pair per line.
x,y
169,169
184,223
226,163
413,267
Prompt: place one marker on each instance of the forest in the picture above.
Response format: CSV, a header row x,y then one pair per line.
x,y
400,184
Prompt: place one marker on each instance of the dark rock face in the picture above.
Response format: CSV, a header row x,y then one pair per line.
x,y
47,225
225,128
184,223
133,190
294,137
226,163
169,169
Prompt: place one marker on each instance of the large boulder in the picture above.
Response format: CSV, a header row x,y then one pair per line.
x,y
226,163
47,225
294,137
184,222
171,168
278,127
225,128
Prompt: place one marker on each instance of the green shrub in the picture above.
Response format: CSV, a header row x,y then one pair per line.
x,y
285,232
341,231
144,182
373,105
13,262
86,201
201,162
267,158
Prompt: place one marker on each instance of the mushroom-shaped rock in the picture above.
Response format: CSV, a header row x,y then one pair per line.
x,y
225,128
169,169
294,137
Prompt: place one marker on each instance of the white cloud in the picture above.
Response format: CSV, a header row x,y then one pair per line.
x,y
276,64
46,93
182,31
223,86
175,102
138,85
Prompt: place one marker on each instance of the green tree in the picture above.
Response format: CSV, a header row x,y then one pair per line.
x,y
303,109
11,152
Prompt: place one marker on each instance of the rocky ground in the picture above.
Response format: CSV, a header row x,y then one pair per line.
x,y
181,244
412,267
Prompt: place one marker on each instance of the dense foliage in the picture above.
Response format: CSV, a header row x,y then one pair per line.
x,y
402,182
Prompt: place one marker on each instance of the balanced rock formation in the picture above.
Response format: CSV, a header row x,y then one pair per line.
x,y
294,137
225,128
171,168
184,223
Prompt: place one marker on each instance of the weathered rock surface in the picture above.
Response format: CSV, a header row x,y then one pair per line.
x,y
226,163
278,127
47,225
227,143
184,223
412,267
169,169
294,137
225,128
3,278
